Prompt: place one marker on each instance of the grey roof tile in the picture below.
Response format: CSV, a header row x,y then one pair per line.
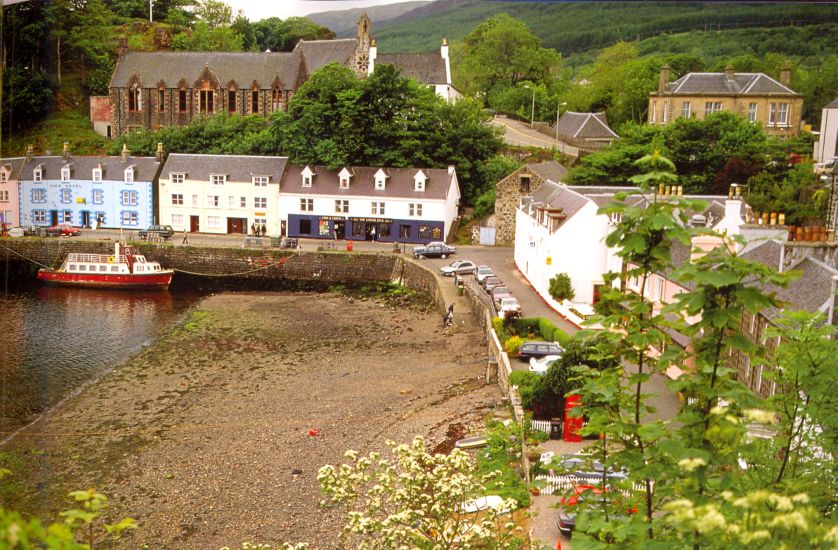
x,y
399,184
585,126
15,165
318,53
427,68
549,170
554,195
113,168
717,83
237,167
832,104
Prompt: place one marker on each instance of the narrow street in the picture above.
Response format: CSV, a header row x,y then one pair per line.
x,y
520,134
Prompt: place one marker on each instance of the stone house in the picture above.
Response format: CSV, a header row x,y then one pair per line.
x,y
510,190
585,129
151,90
756,96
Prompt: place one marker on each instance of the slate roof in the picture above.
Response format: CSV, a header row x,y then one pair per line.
x,y
15,164
585,126
239,168
554,195
241,67
717,83
318,53
113,168
549,170
399,184
427,68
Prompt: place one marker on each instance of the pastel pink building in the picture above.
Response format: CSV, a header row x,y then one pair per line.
x,y
9,200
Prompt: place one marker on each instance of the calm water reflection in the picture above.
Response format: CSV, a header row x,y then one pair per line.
x,y
53,340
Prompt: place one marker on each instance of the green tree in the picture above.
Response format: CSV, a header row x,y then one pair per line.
x,y
500,52
282,35
205,38
215,13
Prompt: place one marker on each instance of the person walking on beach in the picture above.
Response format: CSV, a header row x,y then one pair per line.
x,y
448,318
185,237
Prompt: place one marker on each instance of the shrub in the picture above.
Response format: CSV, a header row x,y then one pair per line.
x,y
511,346
561,288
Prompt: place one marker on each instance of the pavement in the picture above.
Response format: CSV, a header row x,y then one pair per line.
x,y
520,134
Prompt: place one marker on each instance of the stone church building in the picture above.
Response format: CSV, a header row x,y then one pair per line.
x,y
151,90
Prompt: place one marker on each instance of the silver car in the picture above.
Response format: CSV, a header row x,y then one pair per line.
x,y
458,267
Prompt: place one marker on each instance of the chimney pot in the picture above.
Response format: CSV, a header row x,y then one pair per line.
x,y
782,218
125,152
29,152
66,152
123,46
159,153
785,75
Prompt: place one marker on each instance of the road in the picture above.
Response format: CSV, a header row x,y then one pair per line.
x,y
520,134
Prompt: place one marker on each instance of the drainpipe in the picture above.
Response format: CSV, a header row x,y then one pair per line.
x,y
831,316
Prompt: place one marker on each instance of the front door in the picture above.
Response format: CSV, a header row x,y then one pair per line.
x,y
282,228
53,217
85,218
236,226
194,226
340,230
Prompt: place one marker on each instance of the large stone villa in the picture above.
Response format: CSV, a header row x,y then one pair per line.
x,y
155,89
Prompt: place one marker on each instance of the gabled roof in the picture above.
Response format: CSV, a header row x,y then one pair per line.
x,y
585,126
113,168
553,195
14,164
243,68
717,83
238,168
400,184
549,170
318,53
427,68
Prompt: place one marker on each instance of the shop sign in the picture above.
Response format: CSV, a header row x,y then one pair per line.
x,y
332,218
371,220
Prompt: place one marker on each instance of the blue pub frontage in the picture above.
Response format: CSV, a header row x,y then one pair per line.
x,y
403,205
88,192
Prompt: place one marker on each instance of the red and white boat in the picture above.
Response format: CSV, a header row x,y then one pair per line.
x,y
123,269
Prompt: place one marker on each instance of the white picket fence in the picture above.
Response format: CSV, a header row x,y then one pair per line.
x,y
540,425
564,484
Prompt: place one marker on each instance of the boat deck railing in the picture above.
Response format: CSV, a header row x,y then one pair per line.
x,y
96,258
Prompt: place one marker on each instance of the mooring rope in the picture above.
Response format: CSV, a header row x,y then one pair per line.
x,y
260,268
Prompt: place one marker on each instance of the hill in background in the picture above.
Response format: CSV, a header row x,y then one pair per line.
x,y
571,27
343,22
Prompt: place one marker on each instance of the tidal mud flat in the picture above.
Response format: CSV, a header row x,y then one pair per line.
x,y
206,440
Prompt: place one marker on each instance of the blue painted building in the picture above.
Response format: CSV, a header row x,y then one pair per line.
x,y
106,192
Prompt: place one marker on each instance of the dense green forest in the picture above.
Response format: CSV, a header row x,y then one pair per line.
x,y
571,27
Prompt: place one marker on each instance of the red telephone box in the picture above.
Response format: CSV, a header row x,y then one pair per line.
x,y
572,426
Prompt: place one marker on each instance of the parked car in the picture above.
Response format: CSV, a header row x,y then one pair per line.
x,y
539,365
509,307
500,292
433,250
63,230
585,469
491,282
163,231
482,272
531,349
459,267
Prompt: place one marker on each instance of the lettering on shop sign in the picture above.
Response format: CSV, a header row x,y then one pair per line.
x,y
371,220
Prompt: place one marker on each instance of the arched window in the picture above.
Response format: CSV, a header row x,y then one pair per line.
x,y
276,99
135,98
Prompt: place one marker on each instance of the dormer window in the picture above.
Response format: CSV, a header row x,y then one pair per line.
x,y
380,179
419,181
308,176
218,179
260,181
344,176
4,177
65,173
129,174
38,174
97,174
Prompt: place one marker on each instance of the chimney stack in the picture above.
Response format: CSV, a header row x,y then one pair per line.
x,y
664,79
66,152
729,72
159,153
372,55
124,153
29,153
785,75
123,46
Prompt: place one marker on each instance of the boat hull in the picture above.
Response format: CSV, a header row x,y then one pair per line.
x,y
155,280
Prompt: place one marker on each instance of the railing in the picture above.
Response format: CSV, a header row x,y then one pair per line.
x,y
481,294
95,258
541,426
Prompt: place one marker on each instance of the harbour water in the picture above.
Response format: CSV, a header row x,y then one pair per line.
x,y
55,340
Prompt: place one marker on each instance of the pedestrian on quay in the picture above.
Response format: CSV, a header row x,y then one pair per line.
x,y
253,229
185,237
264,230
372,233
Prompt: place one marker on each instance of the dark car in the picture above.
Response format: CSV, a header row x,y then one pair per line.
x,y
491,282
63,230
528,350
433,250
162,231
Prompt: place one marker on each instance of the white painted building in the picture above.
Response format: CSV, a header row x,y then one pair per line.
x,y
428,68
223,194
826,148
410,205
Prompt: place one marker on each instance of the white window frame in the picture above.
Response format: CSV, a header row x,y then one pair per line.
x,y
66,196
3,176
97,175
213,221
783,114
4,195
377,208
130,198
260,181
97,194
65,173
341,206
306,205
218,179
177,177
195,200
242,202
39,196
344,183
39,216
711,107
414,209
38,174
129,175
687,109
177,199
665,111
213,201
177,219
66,216
129,217
260,202
306,181
231,201
752,112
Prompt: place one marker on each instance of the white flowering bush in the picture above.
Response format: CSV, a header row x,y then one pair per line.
x,y
417,500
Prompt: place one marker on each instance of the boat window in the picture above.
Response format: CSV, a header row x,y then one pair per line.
x,y
103,268
72,267
82,267
114,268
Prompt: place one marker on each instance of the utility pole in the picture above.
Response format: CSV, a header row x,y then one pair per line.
x,y
150,17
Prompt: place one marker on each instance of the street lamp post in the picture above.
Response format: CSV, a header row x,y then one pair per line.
x,y
558,108
532,112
